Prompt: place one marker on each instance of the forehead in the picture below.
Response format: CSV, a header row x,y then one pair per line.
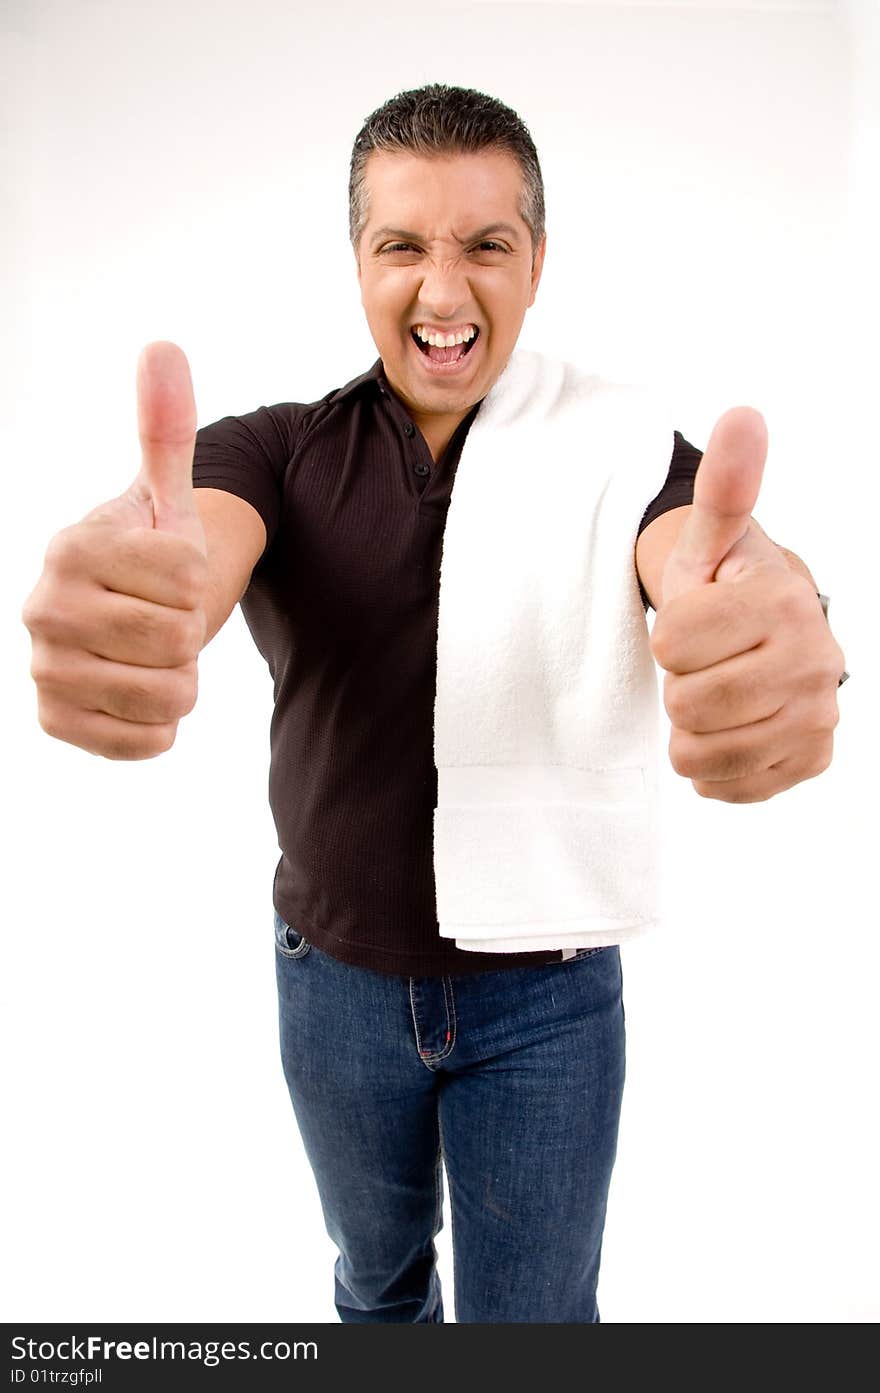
x,y
416,190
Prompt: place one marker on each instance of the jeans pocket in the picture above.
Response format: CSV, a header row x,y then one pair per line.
x,y
288,941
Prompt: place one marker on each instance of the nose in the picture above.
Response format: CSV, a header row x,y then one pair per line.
x,y
444,292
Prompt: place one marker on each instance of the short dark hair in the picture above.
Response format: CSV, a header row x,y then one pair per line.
x,y
438,120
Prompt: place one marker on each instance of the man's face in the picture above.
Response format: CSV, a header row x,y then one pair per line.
x,y
445,249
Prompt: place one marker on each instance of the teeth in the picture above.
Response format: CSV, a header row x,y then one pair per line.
x,y
436,340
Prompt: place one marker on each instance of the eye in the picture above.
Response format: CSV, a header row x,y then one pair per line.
x,y
492,246
397,247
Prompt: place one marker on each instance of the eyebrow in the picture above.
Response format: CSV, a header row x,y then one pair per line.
x,y
404,236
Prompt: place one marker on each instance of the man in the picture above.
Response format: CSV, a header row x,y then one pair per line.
x,y
325,520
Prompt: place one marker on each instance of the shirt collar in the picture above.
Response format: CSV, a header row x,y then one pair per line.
x,y
374,374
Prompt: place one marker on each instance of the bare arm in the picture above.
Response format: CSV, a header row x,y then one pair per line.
x,y
236,537
653,547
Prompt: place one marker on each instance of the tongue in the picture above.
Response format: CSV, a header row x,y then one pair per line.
x,y
446,355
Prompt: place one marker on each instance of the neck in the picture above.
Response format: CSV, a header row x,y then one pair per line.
x,y
438,431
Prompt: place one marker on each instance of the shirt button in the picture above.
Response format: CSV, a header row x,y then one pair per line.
x,y
421,469
409,429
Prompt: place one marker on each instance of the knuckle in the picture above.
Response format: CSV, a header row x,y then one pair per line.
x,y
198,629
49,717
685,704
731,792
30,612
746,795
57,548
161,698
121,740
676,709
164,737
716,791
185,636
797,600
658,645
49,609
672,699
187,689
742,764
161,631
138,700
182,568
191,578
161,739
67,552
679,758
139,624
118,747
36,610
132,549
724,766
43,668
144,742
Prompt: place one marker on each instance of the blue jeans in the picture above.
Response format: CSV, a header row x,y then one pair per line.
x,y
513,1079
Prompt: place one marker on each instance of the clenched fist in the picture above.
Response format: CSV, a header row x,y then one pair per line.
x,y
117,619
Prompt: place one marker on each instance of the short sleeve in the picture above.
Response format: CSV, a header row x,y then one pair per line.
x,y
677,491
248,456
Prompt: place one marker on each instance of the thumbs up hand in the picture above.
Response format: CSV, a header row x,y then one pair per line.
x,y
117,618
751,665
162,495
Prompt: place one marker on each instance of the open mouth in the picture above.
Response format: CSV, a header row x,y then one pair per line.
x,y
455,353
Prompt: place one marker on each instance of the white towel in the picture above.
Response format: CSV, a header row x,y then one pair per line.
x,y
546,707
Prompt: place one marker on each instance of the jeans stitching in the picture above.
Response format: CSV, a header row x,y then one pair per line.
x,y
427,1057
451,1018
438,1169
412,1007
448,1002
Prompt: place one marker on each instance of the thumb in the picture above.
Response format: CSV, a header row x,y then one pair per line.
x,y
726,489
166,412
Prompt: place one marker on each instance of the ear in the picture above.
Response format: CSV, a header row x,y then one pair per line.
x,y
537,268
357,262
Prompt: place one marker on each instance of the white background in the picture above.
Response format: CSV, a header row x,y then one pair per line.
x,y
180,172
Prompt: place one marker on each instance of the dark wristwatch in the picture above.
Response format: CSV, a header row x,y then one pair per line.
x,y
825,601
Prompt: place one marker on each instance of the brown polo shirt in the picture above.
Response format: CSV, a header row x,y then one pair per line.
x,y
343,606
